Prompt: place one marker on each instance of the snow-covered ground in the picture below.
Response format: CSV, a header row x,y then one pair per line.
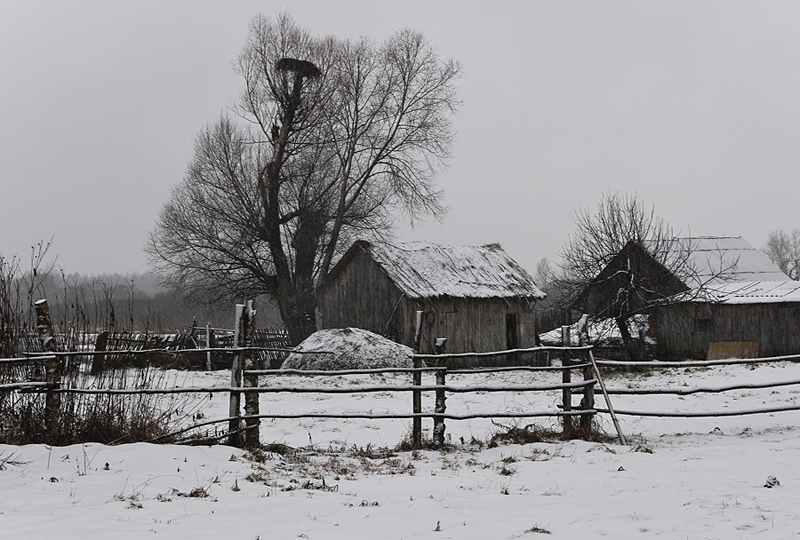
x,y
678,478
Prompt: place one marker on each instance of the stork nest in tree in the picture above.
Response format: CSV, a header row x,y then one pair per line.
x,y
303,68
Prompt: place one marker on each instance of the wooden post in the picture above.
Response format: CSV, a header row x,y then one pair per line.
x,y
642,352
416,430
588,374
251,405
608,401
566,376
439,408
208,346
52,405
99,360
234,409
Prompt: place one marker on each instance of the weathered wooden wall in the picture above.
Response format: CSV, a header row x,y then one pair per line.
x,y
685,330
632,281
471,325
362,296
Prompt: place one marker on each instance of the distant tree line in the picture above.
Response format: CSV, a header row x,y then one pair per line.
x,y
88,304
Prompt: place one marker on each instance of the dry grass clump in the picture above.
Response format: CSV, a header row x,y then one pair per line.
x,y
531,433
103,418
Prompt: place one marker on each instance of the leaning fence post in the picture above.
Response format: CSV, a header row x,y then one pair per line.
x,y
251,410
234,409
44,326
566,376
439,408
608,401
416,429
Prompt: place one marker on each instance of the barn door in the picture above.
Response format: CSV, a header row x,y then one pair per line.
x,y
512,331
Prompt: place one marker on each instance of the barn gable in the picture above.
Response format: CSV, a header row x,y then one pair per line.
x,y
635,272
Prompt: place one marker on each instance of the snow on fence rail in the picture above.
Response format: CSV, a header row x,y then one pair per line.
x,y
682,391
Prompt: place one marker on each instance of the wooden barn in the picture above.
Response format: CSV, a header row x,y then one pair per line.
x,y
738,319
733,301
478,298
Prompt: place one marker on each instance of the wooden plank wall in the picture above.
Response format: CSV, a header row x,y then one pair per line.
x,y
686,330
471,325
362,296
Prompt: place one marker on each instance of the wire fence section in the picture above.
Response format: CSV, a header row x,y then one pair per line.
x,y
686,391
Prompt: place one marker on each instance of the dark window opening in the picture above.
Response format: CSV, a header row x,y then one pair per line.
x,y
704,325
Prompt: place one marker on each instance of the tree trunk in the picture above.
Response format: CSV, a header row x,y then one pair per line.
x,y
630,346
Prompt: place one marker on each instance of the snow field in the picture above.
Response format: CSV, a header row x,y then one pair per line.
x,y
698,482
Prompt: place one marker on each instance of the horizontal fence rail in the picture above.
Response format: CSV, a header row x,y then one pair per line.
x,y
700,390
581,348
230,350
656,364
321,389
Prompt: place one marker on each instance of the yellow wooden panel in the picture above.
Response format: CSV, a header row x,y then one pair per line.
x,y
718,350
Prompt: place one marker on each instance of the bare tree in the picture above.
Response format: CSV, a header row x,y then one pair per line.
x,y
783,249
331,140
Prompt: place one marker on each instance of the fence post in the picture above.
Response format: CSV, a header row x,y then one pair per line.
x,y
439,408
566,376
234,409
44,326
416,429
588,374
252,425
208,346
99,360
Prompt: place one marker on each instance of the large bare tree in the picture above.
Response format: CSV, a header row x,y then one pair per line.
x,y
783,249
331,139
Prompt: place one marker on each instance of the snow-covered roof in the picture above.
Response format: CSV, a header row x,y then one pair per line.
x,y
752,292
731,271
425,270
731,258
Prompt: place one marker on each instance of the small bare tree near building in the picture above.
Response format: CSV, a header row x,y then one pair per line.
x,y
783,249
622,222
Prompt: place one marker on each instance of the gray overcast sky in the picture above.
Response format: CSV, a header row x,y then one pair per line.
x,y
693,105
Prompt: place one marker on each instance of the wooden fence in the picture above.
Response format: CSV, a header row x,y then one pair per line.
x,y
244,407
243,392
245,412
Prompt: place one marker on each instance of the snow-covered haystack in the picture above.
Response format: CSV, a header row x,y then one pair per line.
x,y
348,348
